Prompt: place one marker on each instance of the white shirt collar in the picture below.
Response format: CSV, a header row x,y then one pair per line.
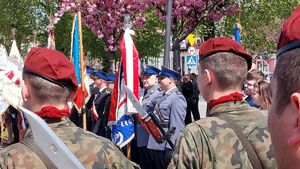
x,y
169,91
102,89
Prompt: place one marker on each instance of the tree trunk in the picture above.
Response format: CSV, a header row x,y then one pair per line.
x,y
176,57
109,62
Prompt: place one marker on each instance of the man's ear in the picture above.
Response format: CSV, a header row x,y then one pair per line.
x,y
72,95
208,76
295,135
25,91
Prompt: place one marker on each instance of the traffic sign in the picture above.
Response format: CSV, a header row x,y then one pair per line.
x,y
191,39
191,61
192,50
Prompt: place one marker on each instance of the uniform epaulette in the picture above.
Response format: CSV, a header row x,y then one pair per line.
x,y
178,93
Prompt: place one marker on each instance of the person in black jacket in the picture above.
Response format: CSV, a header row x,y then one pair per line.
x,y
101,128
191,93
99,94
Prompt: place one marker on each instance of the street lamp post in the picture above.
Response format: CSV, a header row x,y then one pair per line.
x,y
167,47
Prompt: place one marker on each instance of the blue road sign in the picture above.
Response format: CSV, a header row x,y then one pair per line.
x,y
191,61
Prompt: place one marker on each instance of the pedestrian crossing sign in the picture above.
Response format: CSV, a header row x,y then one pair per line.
x,y
191,61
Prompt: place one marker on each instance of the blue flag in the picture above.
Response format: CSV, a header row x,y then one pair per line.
x,y
75,51
237,33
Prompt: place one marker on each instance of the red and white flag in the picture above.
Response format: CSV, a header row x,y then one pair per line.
x,y
121,108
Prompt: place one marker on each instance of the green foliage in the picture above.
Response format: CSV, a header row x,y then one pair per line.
x,y
26,16
148,40
93,47
261,21
149,43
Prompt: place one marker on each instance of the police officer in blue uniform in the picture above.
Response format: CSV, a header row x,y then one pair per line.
x,y
171,111
152,93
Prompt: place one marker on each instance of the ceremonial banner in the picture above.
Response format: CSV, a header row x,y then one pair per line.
x,y
3,106
121,109
3,58
9,69
14,52
15,56
75,52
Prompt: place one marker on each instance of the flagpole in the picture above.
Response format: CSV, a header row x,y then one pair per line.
x,y
239,16
81,67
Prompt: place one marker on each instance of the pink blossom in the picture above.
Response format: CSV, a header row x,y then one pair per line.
x,y
106,17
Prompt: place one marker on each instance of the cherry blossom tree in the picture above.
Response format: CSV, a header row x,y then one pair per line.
x,y
106,17
188,14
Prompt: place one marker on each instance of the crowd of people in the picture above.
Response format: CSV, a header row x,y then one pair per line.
x,y
250,123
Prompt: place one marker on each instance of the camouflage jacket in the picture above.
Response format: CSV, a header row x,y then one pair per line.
x,y
93,152
210,143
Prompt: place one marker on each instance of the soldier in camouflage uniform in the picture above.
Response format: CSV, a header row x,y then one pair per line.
x,y
49,83
284,113
236,135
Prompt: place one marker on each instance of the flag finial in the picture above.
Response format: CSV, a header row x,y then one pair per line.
x,y
127,22
14,32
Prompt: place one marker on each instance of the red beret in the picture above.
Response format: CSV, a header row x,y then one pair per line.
x,y
215,45
290,35
50,65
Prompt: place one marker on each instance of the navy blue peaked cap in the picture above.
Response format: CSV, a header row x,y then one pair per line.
x,y
111,78
166,72
90,70
101,74
150,70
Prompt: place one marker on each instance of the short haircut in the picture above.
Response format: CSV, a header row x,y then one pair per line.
x,y
229,69
193,75
47,91
287,76
255,75
263,89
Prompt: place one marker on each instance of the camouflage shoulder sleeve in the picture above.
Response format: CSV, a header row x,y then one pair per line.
x,y
186,153
115,159
97,152
208,143
19,156
260,138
